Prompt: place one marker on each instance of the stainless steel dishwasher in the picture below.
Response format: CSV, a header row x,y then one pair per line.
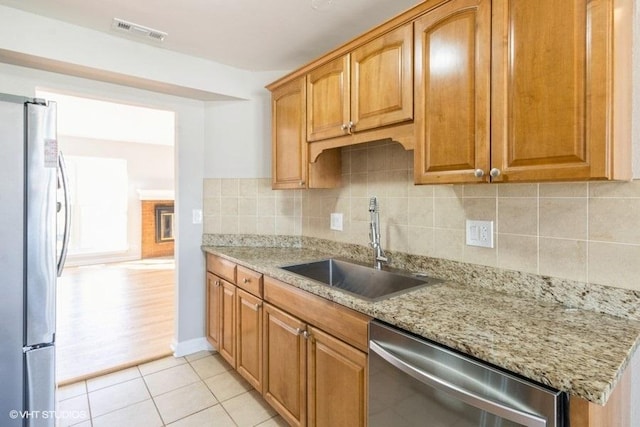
x,y
414,382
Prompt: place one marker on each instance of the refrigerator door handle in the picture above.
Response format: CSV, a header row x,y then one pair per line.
x,y
67,214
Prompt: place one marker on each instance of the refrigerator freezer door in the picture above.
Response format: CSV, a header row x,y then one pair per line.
x,y
41,185
11,258
40,379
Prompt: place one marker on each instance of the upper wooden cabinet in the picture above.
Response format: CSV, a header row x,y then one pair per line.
x,y
289,145
291,167
553,104
452,84
328,100
521,91
365,89
503,91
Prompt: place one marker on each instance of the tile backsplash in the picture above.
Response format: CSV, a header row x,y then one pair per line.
x,y
586,232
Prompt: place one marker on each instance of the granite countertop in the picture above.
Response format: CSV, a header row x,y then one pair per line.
x,y
579,351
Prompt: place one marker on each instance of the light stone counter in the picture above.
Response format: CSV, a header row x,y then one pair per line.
x,y
582,352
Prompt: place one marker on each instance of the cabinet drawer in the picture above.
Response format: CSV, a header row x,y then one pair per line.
x,y
335,319
221,267
250,281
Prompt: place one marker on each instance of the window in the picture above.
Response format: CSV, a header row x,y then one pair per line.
x,y
99,191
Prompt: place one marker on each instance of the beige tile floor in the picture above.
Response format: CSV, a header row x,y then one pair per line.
x,y
198,390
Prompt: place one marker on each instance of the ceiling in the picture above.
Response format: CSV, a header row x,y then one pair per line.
x,y
256,35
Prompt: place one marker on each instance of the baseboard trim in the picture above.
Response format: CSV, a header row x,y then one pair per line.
x,y
190,346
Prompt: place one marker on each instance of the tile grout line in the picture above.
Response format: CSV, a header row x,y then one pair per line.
x,y
151,395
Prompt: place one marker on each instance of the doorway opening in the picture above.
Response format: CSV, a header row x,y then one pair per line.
x,y
115,299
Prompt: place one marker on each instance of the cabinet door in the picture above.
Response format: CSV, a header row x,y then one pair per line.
x,y
452,86
337,378
249,338
227,347
289,144
214,295
328,100
551,81
284,365
382,80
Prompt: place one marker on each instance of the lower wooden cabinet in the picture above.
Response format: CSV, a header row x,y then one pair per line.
x,y
227,343
214,296
312,378
249,338
285,365
336,382
306,355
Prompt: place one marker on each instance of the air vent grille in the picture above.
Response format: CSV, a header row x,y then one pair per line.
x,y
137,30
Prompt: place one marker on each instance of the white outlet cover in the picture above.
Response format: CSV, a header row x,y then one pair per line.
x,y
336,221
480,233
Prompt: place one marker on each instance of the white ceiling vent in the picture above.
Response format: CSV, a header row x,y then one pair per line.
x,y
137,30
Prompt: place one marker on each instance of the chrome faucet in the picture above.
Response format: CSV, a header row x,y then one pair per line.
x,y
379,256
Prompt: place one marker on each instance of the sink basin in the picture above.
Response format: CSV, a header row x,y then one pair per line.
x,y
363,281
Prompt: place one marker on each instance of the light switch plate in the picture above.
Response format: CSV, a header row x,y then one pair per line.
x,y
480,233
196,216
336,221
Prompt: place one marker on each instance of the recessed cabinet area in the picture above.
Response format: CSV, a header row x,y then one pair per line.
x,y
306,355
502,91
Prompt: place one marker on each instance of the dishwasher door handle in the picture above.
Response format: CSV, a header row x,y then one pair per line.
x,y
473,399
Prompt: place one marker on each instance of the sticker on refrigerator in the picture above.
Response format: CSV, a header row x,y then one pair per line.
x,y
50,153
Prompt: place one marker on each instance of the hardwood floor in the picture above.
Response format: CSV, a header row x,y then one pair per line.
x,y
112,316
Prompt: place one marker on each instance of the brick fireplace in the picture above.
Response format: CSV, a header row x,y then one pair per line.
x,y
157,228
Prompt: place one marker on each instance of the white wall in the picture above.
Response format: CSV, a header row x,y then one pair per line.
x,y
238,134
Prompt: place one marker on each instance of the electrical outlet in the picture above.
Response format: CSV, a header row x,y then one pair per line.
x,y
336,221
480,233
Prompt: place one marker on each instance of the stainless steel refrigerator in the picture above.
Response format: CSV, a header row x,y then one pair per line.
x,y
30,260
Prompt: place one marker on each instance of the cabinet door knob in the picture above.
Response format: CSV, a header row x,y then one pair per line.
x,y
217,283
257,306
495,172
306,335
344,126
351,127
246,280
479,173
299,331
301,183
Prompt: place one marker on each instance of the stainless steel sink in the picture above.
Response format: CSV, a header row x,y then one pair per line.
x,y
365,282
